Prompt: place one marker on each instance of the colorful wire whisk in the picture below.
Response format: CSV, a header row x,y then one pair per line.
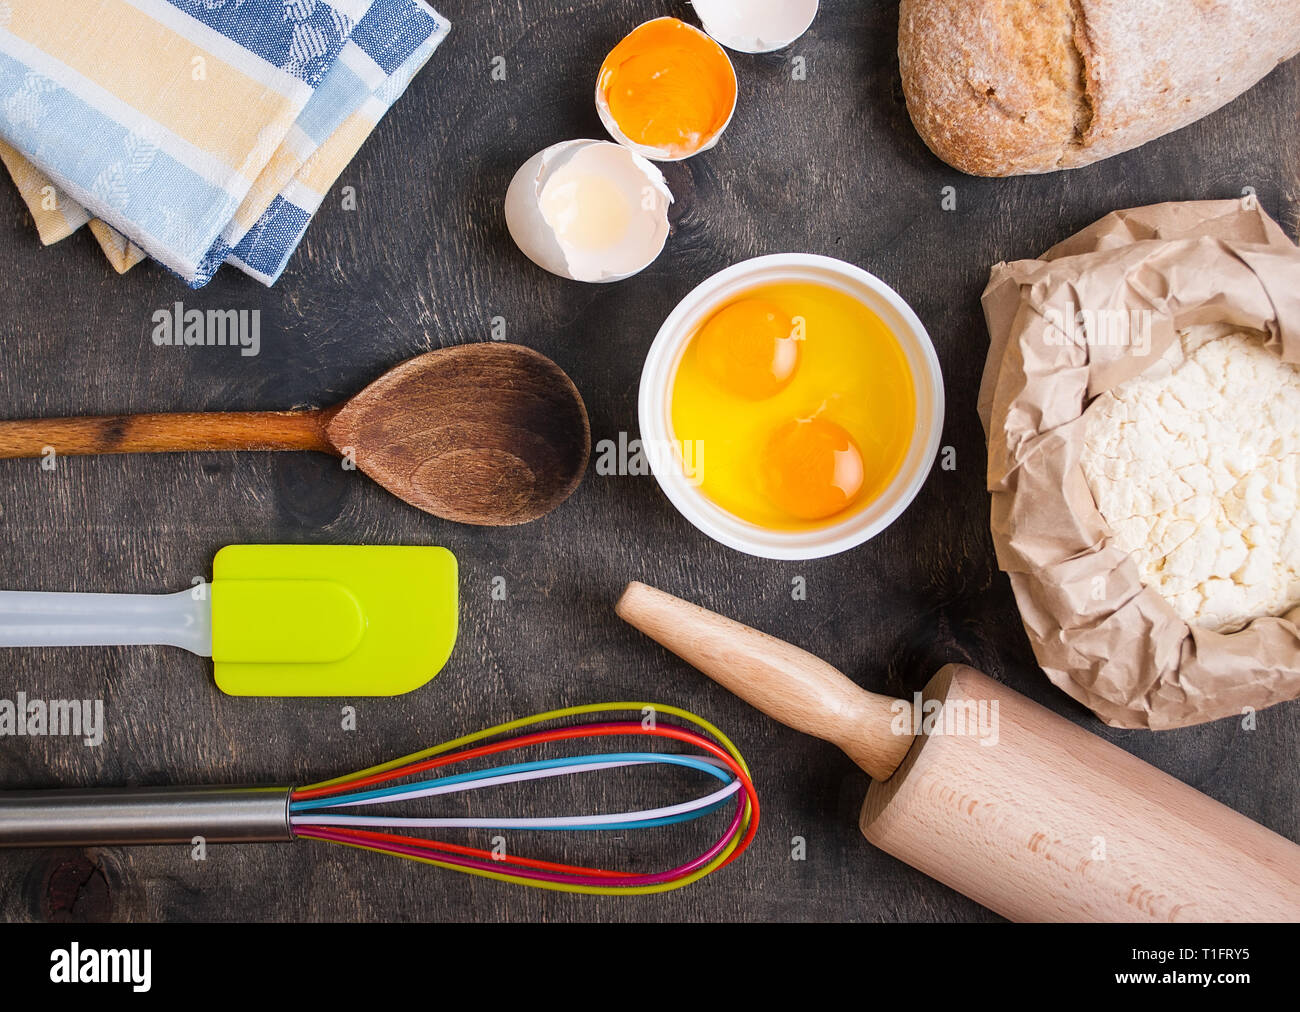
x,y
349,810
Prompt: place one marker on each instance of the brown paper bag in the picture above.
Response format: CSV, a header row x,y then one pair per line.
x,y
1123,651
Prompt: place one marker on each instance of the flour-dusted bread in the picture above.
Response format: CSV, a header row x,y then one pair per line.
x,y
1006,87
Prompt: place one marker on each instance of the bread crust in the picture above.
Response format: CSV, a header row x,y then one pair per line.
x,y
1007,87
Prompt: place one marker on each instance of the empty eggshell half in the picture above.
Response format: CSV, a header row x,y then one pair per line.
x,y
755,26
589,210
674,84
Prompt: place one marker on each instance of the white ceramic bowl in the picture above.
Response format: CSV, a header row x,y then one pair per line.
x,y
654,406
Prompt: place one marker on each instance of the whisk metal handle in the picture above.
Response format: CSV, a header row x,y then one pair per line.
x,y
141,815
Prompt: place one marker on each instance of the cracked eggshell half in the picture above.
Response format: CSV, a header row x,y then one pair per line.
x,y
672,85
589,210
755,26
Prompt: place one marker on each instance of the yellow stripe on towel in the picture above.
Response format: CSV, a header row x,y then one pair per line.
x,y
329,160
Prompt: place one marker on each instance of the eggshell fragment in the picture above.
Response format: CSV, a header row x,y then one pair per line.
x,y
713,51
755,26
589,210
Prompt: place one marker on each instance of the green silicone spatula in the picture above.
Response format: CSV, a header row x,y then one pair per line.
x,y
277,620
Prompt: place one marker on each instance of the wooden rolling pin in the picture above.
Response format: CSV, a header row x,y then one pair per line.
x,y
1022,811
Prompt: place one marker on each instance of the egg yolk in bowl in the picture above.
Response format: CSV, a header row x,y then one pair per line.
x,y
797,403
750,348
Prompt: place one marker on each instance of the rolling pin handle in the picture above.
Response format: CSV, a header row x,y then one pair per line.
x,y
786,683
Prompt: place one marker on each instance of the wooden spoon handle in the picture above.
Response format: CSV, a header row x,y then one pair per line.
x,y
246,430
786,683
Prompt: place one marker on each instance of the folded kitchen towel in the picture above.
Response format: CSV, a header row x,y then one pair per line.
x,y
200,120
390,43
389,47
395,37
157,115
265,250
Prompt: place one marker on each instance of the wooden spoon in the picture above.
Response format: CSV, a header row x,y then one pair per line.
x,y
491,434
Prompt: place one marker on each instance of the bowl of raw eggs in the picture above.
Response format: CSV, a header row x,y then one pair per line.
x,y
791,406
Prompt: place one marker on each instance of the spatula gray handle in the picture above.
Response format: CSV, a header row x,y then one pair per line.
x,y
107,816
34,619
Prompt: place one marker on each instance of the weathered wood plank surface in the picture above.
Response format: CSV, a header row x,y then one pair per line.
x,y
830,165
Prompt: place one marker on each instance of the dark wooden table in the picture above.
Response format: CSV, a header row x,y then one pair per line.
x,y
829,165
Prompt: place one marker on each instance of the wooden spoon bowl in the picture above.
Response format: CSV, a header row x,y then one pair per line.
x,y
492,434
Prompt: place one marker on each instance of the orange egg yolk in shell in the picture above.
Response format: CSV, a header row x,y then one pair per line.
x,y
669,87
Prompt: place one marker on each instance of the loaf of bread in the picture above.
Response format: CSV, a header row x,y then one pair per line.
x,y
1006,87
